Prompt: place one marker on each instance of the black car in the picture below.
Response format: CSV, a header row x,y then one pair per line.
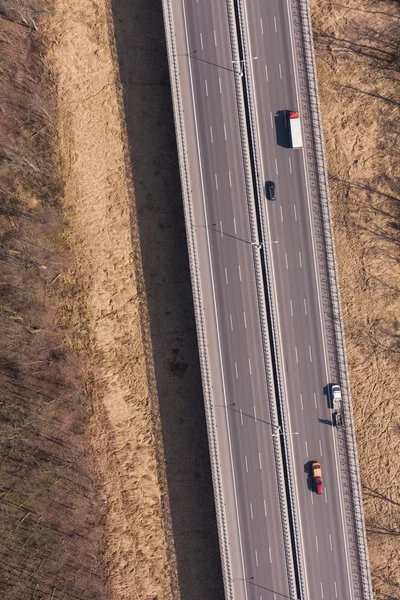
x,y
270,190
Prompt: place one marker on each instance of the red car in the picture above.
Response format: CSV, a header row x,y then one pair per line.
x,y
317,477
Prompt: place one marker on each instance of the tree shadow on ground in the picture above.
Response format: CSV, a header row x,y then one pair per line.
x,y
142,59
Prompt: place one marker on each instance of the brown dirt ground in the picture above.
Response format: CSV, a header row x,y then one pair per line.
x,y
357,43
107,272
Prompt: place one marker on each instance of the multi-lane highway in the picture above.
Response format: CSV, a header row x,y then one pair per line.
x,y
234,345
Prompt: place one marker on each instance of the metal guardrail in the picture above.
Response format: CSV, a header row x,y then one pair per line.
x,y
294,530
329,282
197,298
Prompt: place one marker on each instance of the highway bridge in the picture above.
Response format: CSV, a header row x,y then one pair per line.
x,y
266,300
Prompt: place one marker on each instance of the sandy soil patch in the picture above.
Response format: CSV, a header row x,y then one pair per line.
x,y
110,304
358,72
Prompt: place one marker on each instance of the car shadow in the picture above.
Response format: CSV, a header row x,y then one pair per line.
x,y
158,223
328,394
307,471
282,129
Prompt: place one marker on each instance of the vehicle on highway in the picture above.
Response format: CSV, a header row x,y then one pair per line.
x,y
337,405
317,477
270,190
295,129
336,397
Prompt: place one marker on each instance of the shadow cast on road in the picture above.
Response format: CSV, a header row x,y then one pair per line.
x,y
282,129
308,473
142,59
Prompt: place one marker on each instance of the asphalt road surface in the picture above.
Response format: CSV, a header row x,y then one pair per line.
x,y
226,271
301,319
232,317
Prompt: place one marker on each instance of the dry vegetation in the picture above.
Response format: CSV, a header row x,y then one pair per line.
x,y
358,58
75,353
51,515
111,303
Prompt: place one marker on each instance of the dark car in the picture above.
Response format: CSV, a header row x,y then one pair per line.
x,y
270,190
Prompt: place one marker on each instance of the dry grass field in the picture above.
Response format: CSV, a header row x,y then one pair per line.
x,y
105,480
358,59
